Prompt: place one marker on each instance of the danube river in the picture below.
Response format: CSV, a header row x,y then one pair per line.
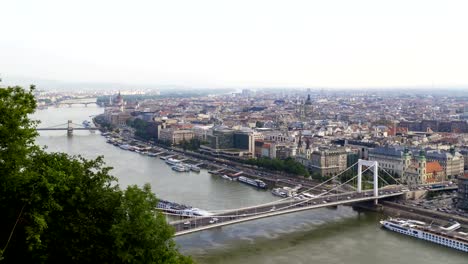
x,y
339,235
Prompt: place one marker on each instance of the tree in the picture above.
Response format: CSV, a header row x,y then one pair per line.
x,y
288,165
141,225
66,209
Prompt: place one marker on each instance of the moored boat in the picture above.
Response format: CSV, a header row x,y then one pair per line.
x,y
180,168
448,236
256,183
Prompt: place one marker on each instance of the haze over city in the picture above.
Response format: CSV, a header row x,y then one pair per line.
x,y
324,44
232,132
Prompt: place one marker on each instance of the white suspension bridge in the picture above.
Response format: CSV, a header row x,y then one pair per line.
x,y
219,218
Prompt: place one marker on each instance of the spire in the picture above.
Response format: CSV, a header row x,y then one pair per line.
x,y
452,150
406,152
422,154
308,101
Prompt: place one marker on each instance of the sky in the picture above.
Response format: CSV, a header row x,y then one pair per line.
x,y
253,43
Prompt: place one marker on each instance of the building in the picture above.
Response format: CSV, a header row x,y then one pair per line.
x,y
120,119
278,150
464,152
328,162
230,143
201,132
462,200
392,160
456,126
453,162
421,171
174,136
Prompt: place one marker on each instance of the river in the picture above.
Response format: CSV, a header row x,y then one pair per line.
x,y
339,235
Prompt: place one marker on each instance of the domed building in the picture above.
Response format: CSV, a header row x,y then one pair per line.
x,y
118,101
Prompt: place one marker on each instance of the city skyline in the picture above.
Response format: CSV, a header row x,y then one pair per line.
x,y
247,44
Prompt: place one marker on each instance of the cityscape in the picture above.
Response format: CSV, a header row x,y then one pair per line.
x,y
301,146
234,132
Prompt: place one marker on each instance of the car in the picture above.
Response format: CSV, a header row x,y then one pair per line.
x,y
187,225
348,197
214,220
272,209
324,202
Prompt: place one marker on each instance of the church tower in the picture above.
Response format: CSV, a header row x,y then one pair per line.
x,y
422,166
406,159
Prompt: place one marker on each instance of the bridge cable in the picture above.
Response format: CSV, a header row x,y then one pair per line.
x,y
53,126
396,180
307,190
294,204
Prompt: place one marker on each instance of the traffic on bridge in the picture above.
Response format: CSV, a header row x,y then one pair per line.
x,y
196,224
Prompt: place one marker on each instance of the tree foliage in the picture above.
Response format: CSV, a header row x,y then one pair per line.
x,y
287,165
193,144
143,129
58,208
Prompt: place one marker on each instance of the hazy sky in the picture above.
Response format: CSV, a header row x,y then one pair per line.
x,y
326,43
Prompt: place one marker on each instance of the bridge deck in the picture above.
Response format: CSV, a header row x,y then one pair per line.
x,y
64,128
258,212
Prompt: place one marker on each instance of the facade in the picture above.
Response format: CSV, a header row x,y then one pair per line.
x,y
393,160
463,192
452,162
230,143
120,119
175,136
270,149
328,162
421,171
455,126
464,152
201,132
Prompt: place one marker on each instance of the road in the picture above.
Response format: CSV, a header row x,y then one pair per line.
x,y
254,212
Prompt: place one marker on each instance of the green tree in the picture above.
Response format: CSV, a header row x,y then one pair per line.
x,y
288,165
139,226
66,209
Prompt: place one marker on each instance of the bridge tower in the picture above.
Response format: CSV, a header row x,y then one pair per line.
x,y
375,165
69,128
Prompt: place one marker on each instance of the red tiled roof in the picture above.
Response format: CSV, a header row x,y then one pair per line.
x,y
433,166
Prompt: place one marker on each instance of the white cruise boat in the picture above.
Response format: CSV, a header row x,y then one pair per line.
x,y
447,236
256,183
180,168
279,192
125,147
172,161
226,177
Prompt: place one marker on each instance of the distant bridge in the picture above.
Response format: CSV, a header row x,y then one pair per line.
x,y
84,101
69,127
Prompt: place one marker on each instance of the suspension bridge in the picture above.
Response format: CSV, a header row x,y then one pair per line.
x,y
69,127
84,101
290,205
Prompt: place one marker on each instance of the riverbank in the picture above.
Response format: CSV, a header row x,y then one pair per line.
x,y
330,236
395,209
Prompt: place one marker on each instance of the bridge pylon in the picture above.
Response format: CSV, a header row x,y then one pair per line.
x,y
375,165
70,128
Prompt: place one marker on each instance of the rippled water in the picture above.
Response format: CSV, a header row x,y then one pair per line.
x,y
339,235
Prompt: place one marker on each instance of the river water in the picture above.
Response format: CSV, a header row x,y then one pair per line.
x,y
339,235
